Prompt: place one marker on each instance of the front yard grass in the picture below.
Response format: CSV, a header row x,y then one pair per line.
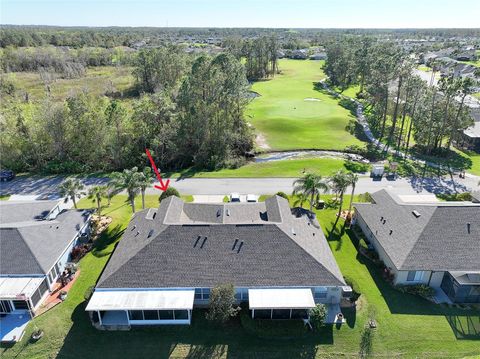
x,y
408,326
281,168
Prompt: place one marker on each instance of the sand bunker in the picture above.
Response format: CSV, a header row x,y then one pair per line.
x,y
312,99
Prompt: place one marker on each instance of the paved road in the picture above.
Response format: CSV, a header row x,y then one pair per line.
x,y
47,187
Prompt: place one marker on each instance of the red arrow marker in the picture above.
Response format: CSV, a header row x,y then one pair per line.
x,y
163,185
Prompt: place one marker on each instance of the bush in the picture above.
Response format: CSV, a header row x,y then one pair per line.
x,y
282,194
318,316
222,303
366,342
171,191
355,290
465,196
356,167
421,290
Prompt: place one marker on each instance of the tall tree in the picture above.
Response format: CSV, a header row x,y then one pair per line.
x,y
310,185
339,182
128,180
96,193
72,188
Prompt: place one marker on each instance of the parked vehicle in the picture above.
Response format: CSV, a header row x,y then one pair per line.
x,y
251,198
6,175
234,197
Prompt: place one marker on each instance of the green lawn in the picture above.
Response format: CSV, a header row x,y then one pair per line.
x,y
407,326
283,168
287,121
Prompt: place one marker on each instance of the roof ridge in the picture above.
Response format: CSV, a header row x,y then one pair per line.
x,y
307,252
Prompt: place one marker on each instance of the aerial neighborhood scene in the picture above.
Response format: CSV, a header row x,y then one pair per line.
x,y
240,179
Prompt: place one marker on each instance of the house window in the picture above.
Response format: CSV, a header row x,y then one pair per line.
x,y
299,314
181,314
320,292
5,306
20,304
150,314
135,314
414,276
241,294
166,314
37,296
202,293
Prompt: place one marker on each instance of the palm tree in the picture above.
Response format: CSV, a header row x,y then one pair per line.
x,y
111,191
96,193
310,185
300,199
353,179
128,180
72,188
146,181
339,183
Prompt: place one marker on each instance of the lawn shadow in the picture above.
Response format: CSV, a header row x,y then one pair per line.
x,y
466,327
107,237
202,339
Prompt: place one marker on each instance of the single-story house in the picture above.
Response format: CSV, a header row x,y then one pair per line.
x,y
170,258
433,244
36,240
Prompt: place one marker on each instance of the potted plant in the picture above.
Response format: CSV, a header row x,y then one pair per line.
x,y
63,295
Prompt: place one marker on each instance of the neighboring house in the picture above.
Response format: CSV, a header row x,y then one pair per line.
x,y
170,258
36,239
471,136
433,244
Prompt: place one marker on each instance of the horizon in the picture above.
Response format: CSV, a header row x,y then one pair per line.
x,y
266,14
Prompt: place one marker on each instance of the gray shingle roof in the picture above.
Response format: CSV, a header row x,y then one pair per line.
x,y
24,211
437,240
292,253
34,246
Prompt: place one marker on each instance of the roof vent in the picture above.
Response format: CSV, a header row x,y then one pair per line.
x,y
391,231
154,215
384,221
219,213
136,234
468,227
134,227
240,247
293,231
196,242
203,243
228,212
150,233
416,213
381,219
235,244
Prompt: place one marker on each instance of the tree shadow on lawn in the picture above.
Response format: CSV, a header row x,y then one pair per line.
x,y
107,237
202,339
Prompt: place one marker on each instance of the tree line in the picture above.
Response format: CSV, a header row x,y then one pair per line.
x,y
191,113
401,108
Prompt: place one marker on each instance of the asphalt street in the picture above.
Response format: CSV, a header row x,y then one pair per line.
x,y
47,187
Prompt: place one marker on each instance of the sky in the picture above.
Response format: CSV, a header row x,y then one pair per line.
x,y
245,13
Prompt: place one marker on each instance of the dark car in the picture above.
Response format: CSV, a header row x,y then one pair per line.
x,y
6,175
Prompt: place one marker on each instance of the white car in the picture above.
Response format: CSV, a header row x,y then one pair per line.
x,y
234,197
252,198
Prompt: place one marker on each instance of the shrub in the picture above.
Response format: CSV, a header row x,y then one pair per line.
x,y
465,196
222,303
282,194
355,290
366,342
365,197
171,191
421,290
318,316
